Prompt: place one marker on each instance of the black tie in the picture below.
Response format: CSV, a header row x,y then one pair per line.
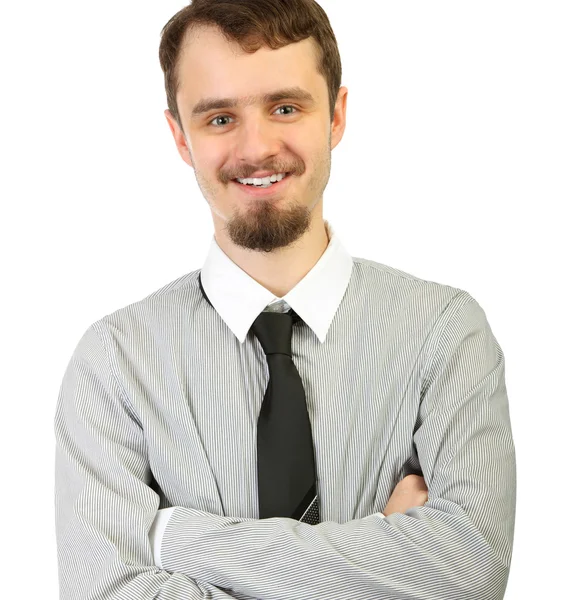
x,y
286,463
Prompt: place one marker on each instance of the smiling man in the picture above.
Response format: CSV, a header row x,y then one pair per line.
x,y
289,421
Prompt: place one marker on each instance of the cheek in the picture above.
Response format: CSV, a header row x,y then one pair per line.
x,y
300,148
209,156
310,139
310,151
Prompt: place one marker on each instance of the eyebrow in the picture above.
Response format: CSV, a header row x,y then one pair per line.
x,y
292,93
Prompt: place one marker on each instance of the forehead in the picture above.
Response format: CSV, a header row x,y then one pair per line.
x,y
212,66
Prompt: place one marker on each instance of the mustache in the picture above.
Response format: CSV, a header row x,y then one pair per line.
x,y
246,171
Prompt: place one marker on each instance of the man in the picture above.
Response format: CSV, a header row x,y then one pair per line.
x,y
366,454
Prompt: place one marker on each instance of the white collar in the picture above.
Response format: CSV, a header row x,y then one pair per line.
x,y
239,299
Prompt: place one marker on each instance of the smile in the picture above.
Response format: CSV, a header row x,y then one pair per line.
x,y
272,188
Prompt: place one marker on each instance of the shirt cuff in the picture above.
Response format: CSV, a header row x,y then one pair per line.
x,y
157,533
379,514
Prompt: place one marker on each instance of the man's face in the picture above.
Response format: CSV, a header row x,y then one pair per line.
x,y
258,137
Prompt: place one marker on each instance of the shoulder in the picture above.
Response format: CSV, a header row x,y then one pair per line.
x,y
391,285
163,305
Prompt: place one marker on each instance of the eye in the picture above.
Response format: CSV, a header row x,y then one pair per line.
x,y
219,117
287,106
216,121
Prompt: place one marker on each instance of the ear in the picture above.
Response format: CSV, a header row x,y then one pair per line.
x,y
179,138
338,124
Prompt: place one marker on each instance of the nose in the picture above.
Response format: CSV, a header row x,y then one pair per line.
x,y
257,141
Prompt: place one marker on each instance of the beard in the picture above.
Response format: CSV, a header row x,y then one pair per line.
x,y
266,227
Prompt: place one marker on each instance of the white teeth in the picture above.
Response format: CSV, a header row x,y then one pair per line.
x,y
262,181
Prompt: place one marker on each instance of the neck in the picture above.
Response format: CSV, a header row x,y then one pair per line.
x,y
279,271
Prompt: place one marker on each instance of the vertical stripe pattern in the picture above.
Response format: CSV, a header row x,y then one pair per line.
x,y
158,408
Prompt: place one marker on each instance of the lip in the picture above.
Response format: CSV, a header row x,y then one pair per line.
x,y
251,190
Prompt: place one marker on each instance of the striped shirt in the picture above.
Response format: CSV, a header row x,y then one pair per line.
x,y
156,492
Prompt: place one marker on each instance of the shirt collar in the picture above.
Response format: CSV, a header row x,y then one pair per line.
x,y
239,299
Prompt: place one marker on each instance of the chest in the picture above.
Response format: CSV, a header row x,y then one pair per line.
x,y
362,403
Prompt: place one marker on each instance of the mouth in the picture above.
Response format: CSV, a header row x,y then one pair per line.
x,y
259,191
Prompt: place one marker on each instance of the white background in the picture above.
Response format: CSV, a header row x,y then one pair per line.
x,y
457,166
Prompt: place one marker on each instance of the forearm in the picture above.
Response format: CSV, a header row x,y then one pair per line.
x,y
432,552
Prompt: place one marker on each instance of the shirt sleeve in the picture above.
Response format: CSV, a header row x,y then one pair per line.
x,y
161,522
456,547
103,502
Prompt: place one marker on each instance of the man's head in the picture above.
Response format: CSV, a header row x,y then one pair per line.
x,y
246,51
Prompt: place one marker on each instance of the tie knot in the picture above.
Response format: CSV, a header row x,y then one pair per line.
x,y
274,331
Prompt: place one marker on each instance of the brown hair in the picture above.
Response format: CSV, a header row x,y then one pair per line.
x,y
253,24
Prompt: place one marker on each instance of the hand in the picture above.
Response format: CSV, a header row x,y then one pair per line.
x,y
411,491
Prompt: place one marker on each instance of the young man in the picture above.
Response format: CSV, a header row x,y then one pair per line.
x,y
288,422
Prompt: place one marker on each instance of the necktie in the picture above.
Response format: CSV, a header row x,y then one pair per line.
x,y
286,464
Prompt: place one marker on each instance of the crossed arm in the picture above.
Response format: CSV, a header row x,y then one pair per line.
x,y
457,546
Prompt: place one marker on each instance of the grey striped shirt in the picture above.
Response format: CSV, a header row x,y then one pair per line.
x,y
158,408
